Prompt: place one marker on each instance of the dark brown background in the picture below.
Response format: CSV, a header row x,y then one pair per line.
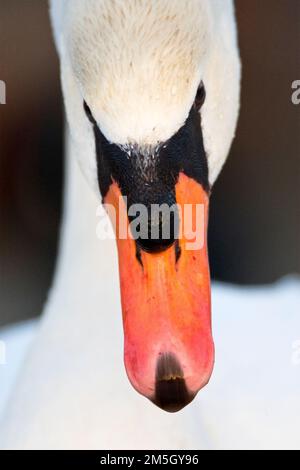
x,y
255,221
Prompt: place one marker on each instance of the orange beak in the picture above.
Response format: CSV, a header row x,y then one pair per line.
x,y
169,351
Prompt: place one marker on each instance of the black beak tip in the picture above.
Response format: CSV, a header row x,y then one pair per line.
x,y
171,393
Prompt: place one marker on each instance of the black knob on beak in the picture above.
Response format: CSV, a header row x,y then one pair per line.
x,y
159,229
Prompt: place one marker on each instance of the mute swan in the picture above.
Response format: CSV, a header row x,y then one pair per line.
x,y
133,75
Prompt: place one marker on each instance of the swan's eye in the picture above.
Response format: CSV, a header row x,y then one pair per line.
x,y
200,96
88,112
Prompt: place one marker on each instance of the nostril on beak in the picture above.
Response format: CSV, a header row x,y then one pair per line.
x,y
171,393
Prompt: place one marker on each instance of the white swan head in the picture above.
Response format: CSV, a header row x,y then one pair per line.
x,y
135,74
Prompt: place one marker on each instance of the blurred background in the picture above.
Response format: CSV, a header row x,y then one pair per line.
x,y
254,230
